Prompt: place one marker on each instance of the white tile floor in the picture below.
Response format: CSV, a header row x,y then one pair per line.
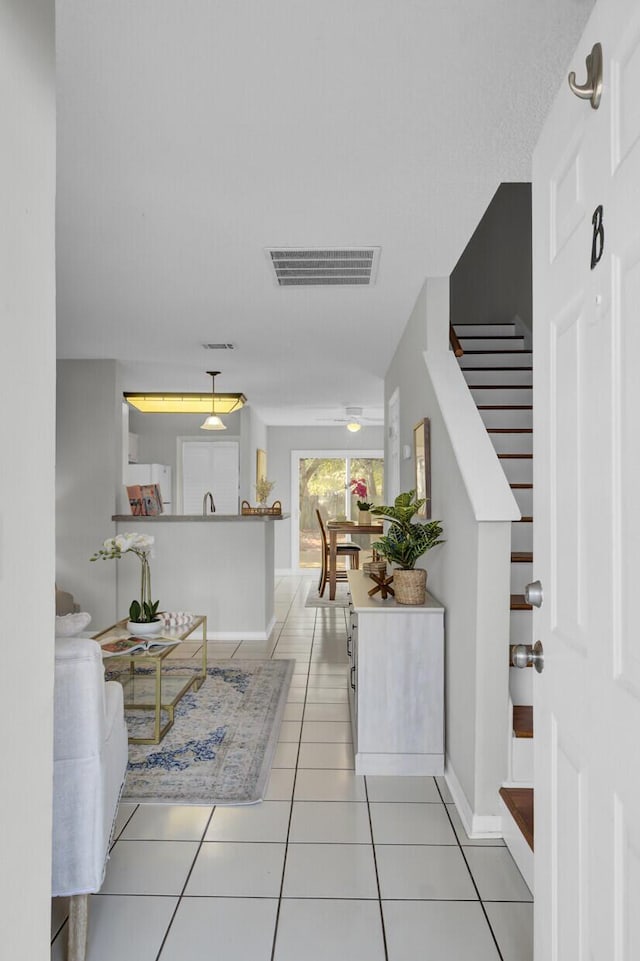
x,y
328,866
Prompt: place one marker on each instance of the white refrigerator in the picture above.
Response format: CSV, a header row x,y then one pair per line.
x,y
159,474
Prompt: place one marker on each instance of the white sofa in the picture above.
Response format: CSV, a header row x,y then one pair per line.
x,y
90,760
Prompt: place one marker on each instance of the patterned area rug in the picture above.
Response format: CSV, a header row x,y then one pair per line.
x,y
220,748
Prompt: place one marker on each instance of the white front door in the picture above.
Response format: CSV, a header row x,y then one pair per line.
x,y
587,507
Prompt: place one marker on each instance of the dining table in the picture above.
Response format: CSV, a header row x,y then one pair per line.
x,y
344,527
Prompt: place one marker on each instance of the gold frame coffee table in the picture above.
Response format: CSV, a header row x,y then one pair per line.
x,y
165,694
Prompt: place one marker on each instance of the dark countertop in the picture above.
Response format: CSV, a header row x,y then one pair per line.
x,y
189,518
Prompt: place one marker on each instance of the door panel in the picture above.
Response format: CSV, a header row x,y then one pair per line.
x,y
587,508
565,503
210,466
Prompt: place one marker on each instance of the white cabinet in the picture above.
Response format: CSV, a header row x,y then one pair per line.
x,y
396,683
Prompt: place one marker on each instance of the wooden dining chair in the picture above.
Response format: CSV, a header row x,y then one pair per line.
x,y
344,549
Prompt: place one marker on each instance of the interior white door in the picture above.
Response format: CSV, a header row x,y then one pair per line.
x,y
210,466
587,507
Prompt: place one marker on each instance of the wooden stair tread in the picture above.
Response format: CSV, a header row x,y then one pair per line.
x,y
522,557
496,368
490,337
520,350
523,720
521,487
509,430
504,406
525,519
513,456
518,603
519,802
500,386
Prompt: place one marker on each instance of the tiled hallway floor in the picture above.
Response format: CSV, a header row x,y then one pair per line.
x,y
329,866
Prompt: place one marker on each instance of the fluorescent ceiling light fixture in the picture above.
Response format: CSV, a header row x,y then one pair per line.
x,y
163,403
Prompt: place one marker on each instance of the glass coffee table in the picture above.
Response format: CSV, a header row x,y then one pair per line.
x,y
147,687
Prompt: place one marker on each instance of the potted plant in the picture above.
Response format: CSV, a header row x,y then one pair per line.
x,y
404,543
263,489
358,487
143,614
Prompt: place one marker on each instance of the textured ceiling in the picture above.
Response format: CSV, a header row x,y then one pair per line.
x,y
193,134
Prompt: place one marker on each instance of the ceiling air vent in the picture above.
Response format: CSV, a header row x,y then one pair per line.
x,y
324,266
219,346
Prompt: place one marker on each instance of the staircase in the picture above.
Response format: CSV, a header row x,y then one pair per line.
x,y
497,365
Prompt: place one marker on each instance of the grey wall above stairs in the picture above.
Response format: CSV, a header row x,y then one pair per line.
x,y
491,283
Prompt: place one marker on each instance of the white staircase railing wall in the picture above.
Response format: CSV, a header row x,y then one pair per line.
x,y
471,573
473,581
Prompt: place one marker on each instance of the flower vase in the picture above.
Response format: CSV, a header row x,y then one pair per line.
x,y
364,517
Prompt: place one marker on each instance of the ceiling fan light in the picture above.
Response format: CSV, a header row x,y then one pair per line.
x,y
354,426
213,422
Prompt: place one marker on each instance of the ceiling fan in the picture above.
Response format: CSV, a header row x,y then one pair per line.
x,y
354,419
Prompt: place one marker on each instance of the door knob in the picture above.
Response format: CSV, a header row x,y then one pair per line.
x,y
522,655
533,594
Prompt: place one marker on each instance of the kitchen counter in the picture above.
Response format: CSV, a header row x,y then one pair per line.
x,y
181,518
221,565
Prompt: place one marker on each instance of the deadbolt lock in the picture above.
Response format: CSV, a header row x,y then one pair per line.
x,y
533,594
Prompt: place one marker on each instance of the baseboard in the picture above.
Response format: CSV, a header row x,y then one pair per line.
x,y
243,635
476,825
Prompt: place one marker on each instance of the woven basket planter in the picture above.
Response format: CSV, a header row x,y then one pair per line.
x,y
410,586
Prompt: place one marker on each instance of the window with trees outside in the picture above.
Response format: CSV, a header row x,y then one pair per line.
x,y
325,483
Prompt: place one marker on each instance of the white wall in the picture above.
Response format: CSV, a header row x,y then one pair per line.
x,y
27,431
470,573
281,441
88,478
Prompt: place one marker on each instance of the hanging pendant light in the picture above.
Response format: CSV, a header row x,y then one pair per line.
x,y
213,422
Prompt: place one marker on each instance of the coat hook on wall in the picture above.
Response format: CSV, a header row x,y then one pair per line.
x,y
592,89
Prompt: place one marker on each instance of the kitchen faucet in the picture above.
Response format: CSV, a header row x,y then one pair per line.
x,y
208,496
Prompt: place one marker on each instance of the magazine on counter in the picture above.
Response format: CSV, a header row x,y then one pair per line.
x,y
145,500
131,645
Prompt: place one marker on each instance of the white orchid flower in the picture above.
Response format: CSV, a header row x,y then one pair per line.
x,y
124,542
144,610
143,542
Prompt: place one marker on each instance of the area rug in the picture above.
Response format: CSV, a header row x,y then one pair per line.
x,y
221,746
313,599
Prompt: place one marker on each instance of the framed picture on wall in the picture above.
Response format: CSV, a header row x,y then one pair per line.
x,y
261,465
422,460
